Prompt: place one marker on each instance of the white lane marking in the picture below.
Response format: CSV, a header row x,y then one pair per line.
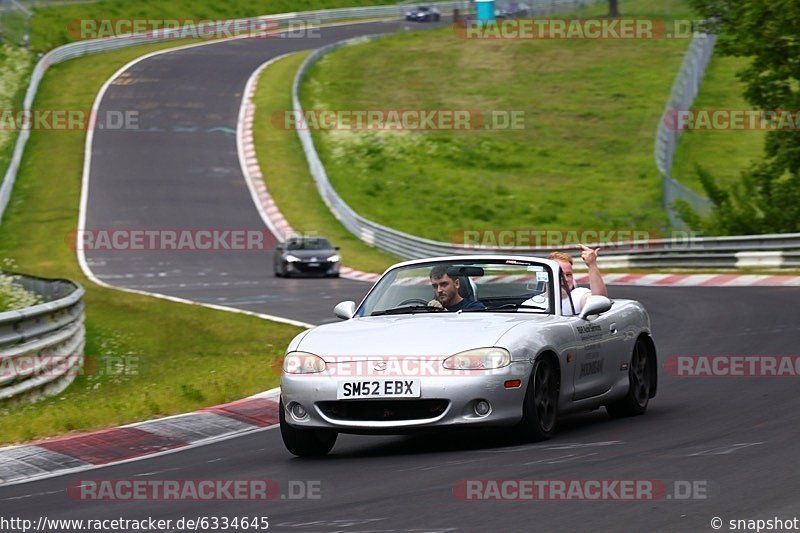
x,y
562,446
725,450
434,467
561,459
32,495
573,445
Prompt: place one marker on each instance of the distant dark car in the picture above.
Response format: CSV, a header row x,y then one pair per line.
x,y
306,255
423,14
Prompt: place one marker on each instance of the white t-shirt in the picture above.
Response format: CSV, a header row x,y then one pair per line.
x,y
577,295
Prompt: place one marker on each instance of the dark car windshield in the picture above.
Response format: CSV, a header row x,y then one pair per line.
x,y
499,285
308,244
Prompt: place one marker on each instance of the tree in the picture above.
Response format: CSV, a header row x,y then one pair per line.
x,y
767,197
613,9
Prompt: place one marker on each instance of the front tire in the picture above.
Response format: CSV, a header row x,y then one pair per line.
x,y
540,408
305,442
639,379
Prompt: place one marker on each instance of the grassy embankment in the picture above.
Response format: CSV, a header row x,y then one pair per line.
x,y
149,357
725,153
584,158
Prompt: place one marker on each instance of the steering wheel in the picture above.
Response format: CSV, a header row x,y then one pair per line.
x,y
413,301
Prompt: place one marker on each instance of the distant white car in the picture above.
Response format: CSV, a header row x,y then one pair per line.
x,y
509,356
423,14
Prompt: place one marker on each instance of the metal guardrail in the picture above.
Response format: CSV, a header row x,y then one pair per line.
x,y
81,48
41,347
684,251
684,91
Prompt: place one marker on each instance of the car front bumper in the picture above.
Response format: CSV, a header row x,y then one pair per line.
x,y
326,268
444,401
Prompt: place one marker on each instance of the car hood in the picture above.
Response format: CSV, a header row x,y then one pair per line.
x,y
423,334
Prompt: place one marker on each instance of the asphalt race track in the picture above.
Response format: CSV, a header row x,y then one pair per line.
x,y
732,439
179,169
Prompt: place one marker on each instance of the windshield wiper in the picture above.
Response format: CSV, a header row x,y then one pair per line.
x,y
407,309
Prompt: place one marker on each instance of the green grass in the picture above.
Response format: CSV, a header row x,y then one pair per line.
x,y
16,65
51,25
13,296
183,357
583,160
286,175
724,153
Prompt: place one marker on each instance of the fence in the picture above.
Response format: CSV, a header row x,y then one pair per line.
x,y
684,91
41,347
686,251
15,23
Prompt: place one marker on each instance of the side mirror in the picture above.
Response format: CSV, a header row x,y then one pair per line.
x,y
595,305
345,310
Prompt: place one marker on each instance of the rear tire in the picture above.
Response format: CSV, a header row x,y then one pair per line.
x,y
540,407
305,442
639,379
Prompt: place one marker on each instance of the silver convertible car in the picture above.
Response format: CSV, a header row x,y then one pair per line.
x,y
464,341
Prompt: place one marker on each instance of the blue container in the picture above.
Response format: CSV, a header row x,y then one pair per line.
x,y
484,10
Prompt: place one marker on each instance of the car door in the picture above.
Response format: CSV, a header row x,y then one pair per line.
x,y
598,340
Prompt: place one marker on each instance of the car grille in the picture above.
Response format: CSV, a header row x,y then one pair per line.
x,y
304,267
383,410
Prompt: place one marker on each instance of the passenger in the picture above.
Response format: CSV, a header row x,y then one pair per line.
x,y
579,295
447,294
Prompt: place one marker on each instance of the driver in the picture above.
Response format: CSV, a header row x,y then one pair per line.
x,y
445,291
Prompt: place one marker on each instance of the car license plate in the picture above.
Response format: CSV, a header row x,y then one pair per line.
x,y
379,388
313,264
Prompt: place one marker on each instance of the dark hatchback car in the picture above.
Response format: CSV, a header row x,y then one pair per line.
x,y
299,256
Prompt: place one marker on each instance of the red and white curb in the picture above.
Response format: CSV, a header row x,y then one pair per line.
x,y
251,169
74,453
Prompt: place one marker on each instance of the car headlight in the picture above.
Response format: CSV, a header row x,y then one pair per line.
x,y
292,258
334,258
479,359
303,363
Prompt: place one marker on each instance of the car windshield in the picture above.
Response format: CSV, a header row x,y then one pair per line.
x,y
498,285
316,243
